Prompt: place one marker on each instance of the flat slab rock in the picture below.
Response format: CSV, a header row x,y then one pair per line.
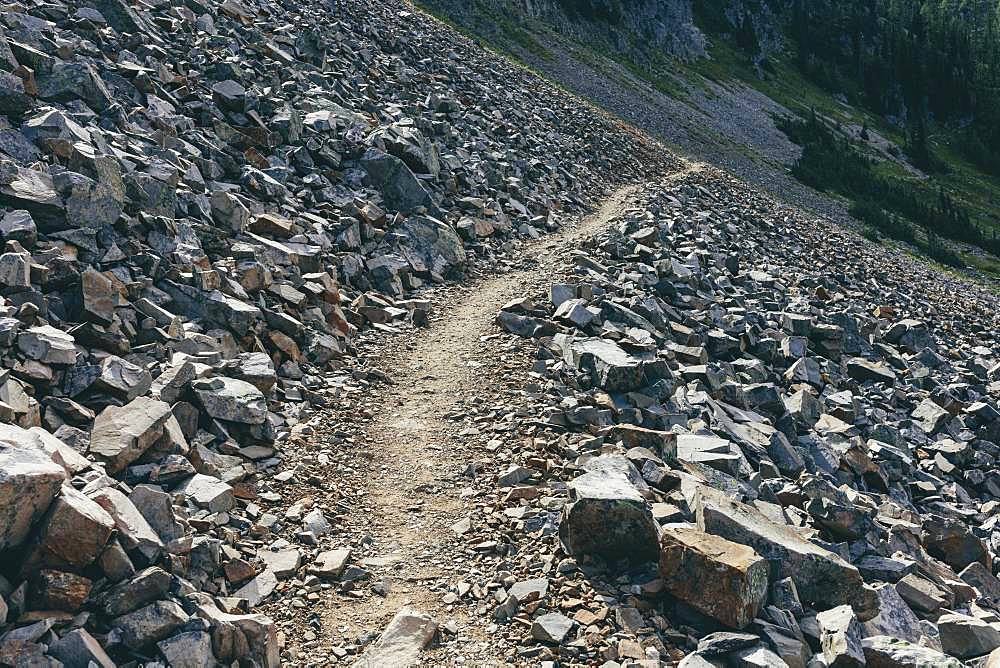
x,y
887,652
400,644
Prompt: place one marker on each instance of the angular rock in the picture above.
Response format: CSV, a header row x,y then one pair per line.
x,y
47,345
72,534
58,590
150,624
192,649
147,586
134,532
551,628
721,579
887,652
231,400
821,577
122,434
207,492
967,637
840,637
79,648
400,644
258,588
608,517
29,482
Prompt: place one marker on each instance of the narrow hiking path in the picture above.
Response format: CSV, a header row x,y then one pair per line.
x,y
414,501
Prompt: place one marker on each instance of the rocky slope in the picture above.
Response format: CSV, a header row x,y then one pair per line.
x,y
720,373
227,437
202,204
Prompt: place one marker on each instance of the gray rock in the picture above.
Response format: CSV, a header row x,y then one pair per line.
x,y
330,563
229,95
79,649
122,434
840,637
611,367
283,563
134,532
432,246
150,624
231,400
155,506
724,642
894,619
608,517
315,523
551,628
29,481
920,594
930,416
865,371
145,587
400,644
400,189
258,589
888,652
192,649
207,492
98,297
757,657
47,345
967,637
977,575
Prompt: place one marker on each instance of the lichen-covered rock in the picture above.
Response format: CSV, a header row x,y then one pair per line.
x,y
608,517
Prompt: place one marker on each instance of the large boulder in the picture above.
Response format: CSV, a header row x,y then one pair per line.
x,y
71,535
611,367
150,624
608,517
408,144
47,345
28,482
888,652
79,648
967,637
400,189
134,531
929,416
431,246
122,434
840,637
822,578
231,400
724,580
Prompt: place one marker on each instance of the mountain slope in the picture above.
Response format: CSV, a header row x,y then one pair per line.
x,y
725,104
330,337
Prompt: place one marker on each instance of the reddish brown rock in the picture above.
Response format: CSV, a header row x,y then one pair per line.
x,y
72,534
58,590
724,580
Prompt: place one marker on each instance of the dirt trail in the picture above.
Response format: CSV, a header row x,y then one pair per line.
x,y
412,499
